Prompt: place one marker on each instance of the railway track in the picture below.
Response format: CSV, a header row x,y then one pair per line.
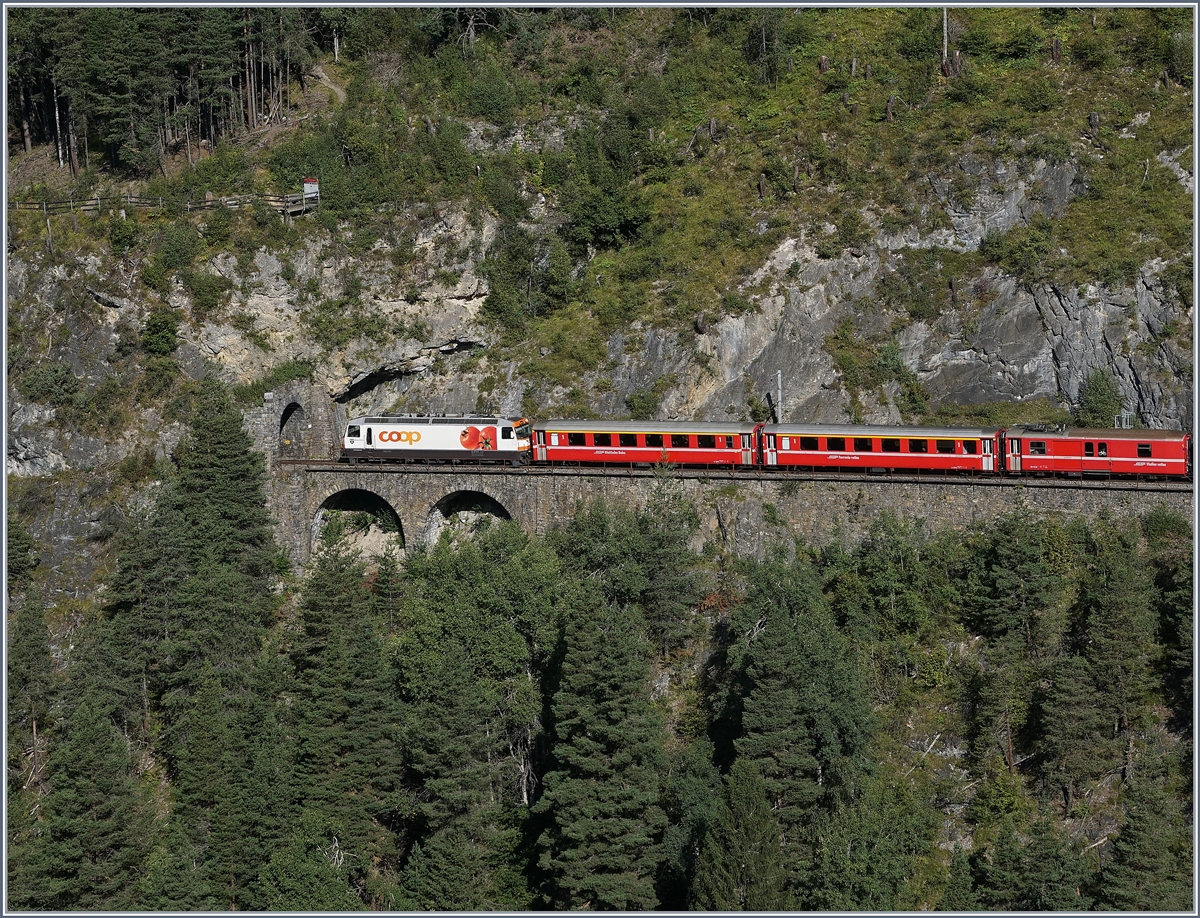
x,y
724,474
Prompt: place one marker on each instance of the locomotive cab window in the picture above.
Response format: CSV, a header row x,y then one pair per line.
x,y
862,444
970,447
945,446
808,443
353,431
837,443
654,439
889,445
679,441
506,433
602,439
1037,447
627,439
576,439
706,441
1144,451
918,446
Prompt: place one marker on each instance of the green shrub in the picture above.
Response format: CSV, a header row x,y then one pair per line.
x,y
122,234
160,334
50,384
207,290
178,246
1099,400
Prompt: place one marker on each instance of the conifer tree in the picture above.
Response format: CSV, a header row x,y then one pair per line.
x,y
602,846
741,862
1151,862
1004,878
959,894
804,724
1056,875
90,849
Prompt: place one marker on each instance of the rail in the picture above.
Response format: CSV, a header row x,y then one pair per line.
x,y
725,473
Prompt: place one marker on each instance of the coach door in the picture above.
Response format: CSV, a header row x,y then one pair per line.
x,y
1014,454
747,450
539,447
771,456
370,439
989,461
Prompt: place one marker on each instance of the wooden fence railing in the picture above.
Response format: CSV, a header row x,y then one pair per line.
x,y
289,204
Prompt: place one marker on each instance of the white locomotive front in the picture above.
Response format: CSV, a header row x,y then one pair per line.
x,y
419,438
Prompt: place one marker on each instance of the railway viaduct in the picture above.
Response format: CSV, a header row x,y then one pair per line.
x,y
297,428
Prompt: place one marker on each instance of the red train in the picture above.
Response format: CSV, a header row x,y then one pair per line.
x,y
1020,450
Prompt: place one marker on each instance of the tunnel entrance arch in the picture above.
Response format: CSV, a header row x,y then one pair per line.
x,y
363,515
460,511
294,432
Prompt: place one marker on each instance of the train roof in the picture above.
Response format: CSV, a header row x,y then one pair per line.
x,y
457,420
881,430
702,427
1094,433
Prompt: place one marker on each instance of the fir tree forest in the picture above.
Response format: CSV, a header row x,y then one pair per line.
x,y
608,716
483,725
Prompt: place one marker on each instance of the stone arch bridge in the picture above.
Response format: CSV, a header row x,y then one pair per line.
x,y
298,428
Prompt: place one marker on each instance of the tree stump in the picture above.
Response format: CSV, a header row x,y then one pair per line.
x,y
853,67
762,185
1094,124
1056,51
823,64
854,109
890,114
867,71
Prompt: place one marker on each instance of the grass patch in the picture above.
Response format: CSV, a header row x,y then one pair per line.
x,y
251,393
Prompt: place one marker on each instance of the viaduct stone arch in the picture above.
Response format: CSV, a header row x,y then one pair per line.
x,y
356,500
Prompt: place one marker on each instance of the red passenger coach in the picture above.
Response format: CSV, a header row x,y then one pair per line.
x,y
1040,449
644,442
859,446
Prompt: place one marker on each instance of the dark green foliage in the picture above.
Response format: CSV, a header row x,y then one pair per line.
x,y
308,872
602,845
866,849
89,848
21,553
1100,401
959,894
160,334
1023,250
50,383
1151,861
690,797
803,723
249,394
741,864
639,558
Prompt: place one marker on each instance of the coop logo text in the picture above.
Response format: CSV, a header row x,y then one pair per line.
x,y
400,436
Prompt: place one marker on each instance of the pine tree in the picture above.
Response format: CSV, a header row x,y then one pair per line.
x,y
868,848
741,862
92,843
1056,874
692,792
602,846
1151,862
959,895
1004,879
803,722
348,766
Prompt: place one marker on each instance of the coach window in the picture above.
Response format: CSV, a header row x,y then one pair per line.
x,y
627,439
576,439
945,446
862,444
918,446
1144,451
889,445
809,443
1089,450
602,439
835,443
679,441
970,447
1037,447
654,439
1103,449
354,431
706,441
